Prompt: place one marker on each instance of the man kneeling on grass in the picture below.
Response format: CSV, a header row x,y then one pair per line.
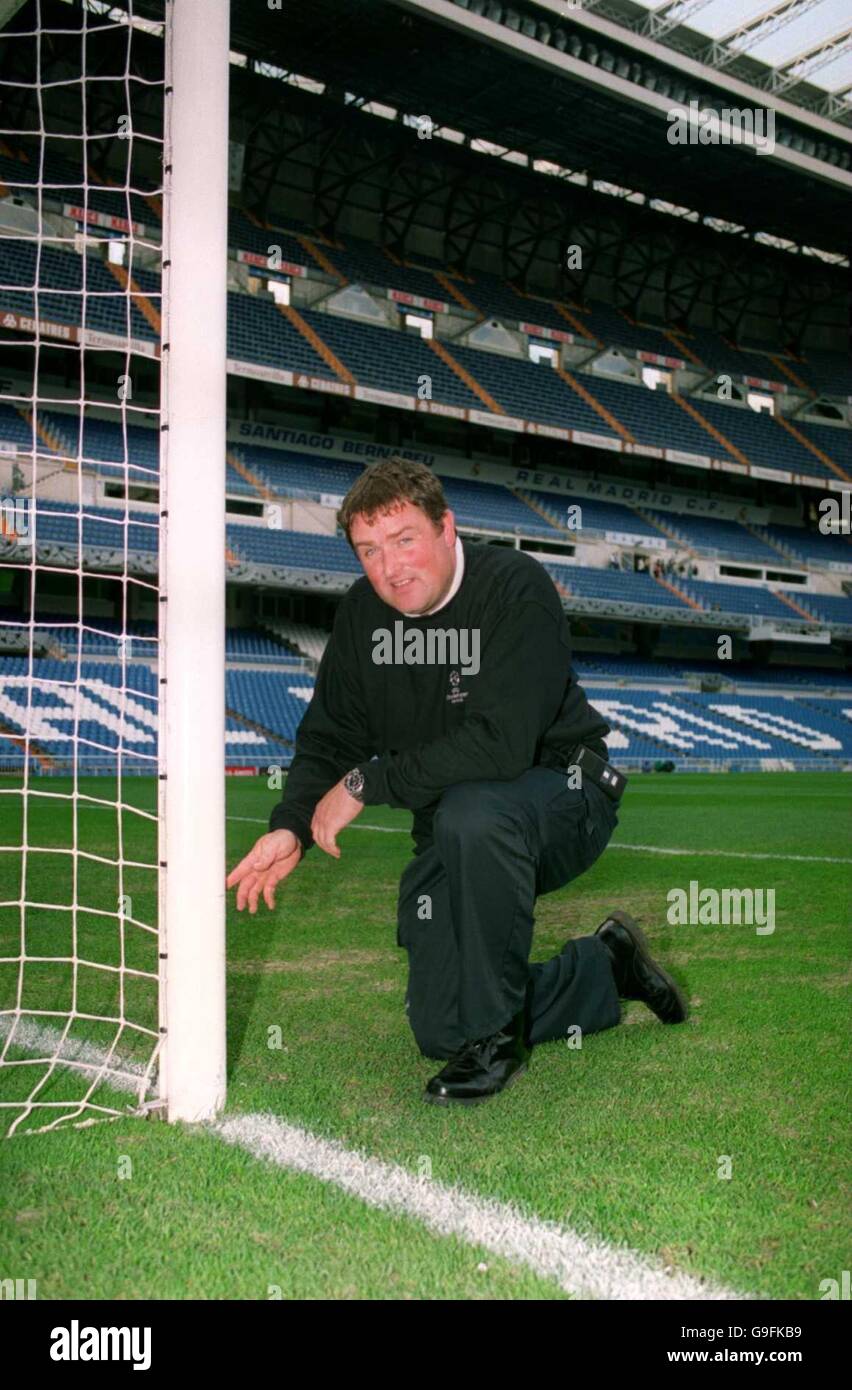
x,y
465,711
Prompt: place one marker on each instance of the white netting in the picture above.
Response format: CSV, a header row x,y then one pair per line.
x,y
81,171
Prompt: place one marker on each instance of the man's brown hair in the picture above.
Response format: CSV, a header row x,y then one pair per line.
x,y
391,481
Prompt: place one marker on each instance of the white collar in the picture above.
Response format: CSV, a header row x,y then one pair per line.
x,y
453,589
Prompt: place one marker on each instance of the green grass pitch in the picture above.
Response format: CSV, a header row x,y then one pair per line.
x,y
624,1136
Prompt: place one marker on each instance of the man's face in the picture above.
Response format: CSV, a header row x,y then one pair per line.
x,y
409,561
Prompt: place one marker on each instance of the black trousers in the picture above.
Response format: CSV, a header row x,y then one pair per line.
x,y
466,911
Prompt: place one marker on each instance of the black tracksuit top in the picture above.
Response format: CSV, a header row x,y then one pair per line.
x,y
416,729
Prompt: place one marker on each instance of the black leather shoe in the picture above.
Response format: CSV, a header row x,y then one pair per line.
x,y
637,976
482,1068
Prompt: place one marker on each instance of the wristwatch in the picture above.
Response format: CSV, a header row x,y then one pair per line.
x,y
354,783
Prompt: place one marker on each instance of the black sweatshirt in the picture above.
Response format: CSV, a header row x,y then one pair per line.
x,y
416,729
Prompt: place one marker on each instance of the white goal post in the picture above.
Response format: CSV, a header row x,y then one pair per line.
x,y
192,710
113,253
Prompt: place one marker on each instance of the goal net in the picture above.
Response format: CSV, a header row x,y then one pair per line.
x,y
113,213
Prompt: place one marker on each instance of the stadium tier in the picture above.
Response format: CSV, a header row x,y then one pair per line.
x,y
596,515
356,260
489,506
60,277
91,714
97,528
84,290
304,638
248,645
114,706
713,352
492,297
295,550
760,438
64,182
517,387
292,473
652,417
608,325
811,547
598,667
734,598
826,372
391,361
254,471
710,534
106,532
361,262
486,506
108,637
647,724
828,608
260,333
245,235
620,586
274,702
101,445
833,441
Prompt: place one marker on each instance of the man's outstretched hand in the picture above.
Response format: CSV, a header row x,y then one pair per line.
x,y
273,857
276,855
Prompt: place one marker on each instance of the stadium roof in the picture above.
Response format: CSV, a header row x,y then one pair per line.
x,y
487,81
806,43
546,135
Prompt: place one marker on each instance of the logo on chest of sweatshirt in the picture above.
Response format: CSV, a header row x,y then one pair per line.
x,y
457,647
456,696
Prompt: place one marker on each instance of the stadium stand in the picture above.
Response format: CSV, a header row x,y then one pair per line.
x,y
619,585
299,550
653,417
710,534
333,346
264,710
734,598
596,515
64,181
812,547
305,638
761,439
101,528
652,703
292,473
830,608
486,506
60,277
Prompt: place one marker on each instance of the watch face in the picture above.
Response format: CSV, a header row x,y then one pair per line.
x,y
354,782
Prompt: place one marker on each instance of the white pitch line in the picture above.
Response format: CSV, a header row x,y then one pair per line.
x,y
388,829
86,1058
585,1266
735,854
619,844
640,849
